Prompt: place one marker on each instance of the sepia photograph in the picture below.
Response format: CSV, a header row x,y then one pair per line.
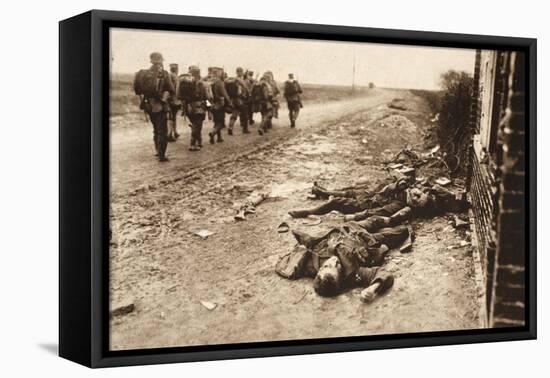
x,y
272,189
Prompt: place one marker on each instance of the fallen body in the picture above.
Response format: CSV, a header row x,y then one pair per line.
x,y
362,202
348,256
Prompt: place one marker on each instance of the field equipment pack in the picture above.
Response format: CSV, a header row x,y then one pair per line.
x,y
258,94
292,264
148,83
233,87
187,88
291,88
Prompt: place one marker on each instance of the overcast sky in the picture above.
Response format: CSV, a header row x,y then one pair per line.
x,y
312,61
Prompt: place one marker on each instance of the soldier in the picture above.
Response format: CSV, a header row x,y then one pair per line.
x,y
240,94
292,95
360,203
220,100
249,82
264,102
174,105
193,93
345,257
274,95
155,87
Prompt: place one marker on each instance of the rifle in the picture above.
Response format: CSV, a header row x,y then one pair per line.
x,y
143,106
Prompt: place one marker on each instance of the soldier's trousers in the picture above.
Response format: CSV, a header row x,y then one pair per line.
x,y
267,117
293,111
196,120
160,132
219,122
242,112
172,123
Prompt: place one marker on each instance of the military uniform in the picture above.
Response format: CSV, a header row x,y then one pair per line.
x,y
195,107
265,106
361,253
249,82
174,105
220,101
274,95
240,104
155,103
292,93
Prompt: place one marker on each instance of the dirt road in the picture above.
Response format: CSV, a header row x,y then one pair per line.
x,y
158,264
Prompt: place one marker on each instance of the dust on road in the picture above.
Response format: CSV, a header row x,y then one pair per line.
x,y
158,264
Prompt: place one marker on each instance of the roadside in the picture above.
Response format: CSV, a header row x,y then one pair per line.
x,y
166,271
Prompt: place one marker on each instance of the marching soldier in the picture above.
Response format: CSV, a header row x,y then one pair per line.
x,y
192,92
220,101
174,105
249,81
265,103
274,95
155,87
239,93
292,93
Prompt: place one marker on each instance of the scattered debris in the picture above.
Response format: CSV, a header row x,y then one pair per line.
x,y
435,149
364,141
464,243
443,181
123,309
203,233
209,305
249,207
283,227
459,223
302,297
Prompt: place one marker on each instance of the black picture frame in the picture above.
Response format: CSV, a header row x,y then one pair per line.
x,y
84,188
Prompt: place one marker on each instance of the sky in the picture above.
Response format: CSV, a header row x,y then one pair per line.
x,y
311,61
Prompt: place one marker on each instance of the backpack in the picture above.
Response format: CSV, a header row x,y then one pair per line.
x,y
146,83
187,88
258,93
290,88
233,87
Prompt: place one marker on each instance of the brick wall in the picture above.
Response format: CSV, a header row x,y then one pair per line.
x,y
508,303
497,188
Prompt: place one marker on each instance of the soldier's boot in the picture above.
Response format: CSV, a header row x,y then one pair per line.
x,y
229,130
211,135
219,135
245,130
193,147
260,131
299,213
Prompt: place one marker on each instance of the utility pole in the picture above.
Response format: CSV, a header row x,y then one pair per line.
x,y
353,74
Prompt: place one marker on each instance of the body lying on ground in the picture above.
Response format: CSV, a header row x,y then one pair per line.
x,y
361,202
347,256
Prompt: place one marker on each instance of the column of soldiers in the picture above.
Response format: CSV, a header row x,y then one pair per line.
x,y
163,94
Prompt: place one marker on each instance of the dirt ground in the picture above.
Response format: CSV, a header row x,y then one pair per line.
x,y
166,271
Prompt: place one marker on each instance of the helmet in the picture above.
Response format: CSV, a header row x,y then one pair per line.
x,y
156,57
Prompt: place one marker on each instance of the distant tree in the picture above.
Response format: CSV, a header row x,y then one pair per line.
x,y
454,116
371,85
456,99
